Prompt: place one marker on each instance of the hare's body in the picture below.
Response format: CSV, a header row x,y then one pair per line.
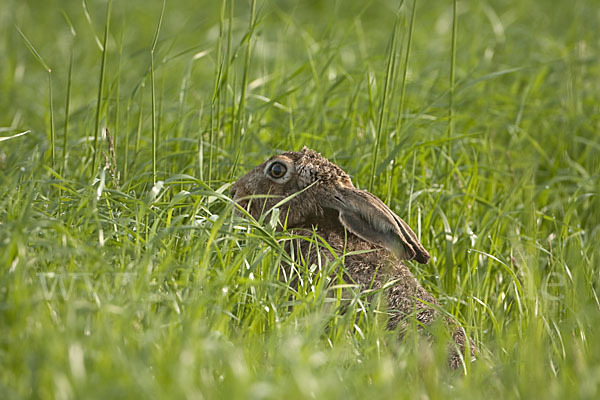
x,y
371,270
349,220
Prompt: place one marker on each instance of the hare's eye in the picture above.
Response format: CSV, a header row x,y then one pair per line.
x,y
277,170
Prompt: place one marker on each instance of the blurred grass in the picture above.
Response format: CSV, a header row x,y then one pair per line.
x,y
114,286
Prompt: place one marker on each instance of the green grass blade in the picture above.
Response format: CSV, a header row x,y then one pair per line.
x,y
99,98
154,125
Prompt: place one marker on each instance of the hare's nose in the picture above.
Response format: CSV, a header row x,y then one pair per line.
x,y
235,191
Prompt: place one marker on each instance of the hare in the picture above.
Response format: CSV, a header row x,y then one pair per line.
x,y
349,219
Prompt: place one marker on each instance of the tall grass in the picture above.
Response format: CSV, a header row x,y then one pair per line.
x,y
99,99
141,282
41,61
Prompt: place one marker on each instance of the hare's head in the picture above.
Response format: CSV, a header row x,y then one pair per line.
x,y
319,193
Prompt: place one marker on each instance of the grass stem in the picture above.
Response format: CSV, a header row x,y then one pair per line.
x,y
153,90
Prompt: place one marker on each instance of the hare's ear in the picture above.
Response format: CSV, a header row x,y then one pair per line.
x,y
370,219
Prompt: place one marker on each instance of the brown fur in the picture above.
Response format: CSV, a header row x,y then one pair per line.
x,y
318,207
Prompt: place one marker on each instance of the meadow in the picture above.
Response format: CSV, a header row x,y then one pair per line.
x,y
124,272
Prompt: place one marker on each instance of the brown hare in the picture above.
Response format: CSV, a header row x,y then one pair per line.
x,y
349,219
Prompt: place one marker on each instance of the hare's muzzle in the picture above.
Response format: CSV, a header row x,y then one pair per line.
x,y
237,193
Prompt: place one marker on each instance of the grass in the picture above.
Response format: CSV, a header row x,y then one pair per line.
x,y
124,274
